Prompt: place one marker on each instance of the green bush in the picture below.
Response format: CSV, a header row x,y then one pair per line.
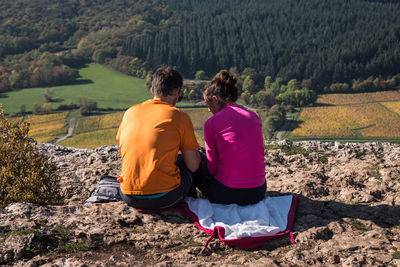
x,y
86,105
26,175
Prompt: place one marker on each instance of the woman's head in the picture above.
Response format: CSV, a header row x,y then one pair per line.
x,y
220,91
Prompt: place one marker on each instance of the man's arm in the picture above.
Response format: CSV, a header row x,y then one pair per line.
x,y
191,159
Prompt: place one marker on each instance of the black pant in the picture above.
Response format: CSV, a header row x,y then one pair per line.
x,y
217,192
171,199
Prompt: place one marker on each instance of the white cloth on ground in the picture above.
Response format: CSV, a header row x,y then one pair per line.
x,y
267,217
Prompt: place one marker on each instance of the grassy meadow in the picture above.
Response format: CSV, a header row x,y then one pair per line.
x,y
360,116
109,88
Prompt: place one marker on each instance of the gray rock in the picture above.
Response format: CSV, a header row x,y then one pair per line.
x,y
348,215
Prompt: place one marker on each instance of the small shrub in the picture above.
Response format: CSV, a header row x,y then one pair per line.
x,y
356,224
373,171
48,96
86,105
396,255
373,167
323,160
67,106
25,174
22,109
305,166
359,154
61,231
37,108
4,232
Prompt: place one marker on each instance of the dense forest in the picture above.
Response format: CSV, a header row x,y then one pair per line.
x,y
314,45
29,30
328,41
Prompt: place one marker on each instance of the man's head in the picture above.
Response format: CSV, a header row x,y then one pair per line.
x,y
165,82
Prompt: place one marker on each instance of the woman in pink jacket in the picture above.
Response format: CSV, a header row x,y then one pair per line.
x,y
234,171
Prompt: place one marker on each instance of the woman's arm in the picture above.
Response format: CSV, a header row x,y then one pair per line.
x,y
211,149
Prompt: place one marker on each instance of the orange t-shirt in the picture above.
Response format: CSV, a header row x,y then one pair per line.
x,y
150,136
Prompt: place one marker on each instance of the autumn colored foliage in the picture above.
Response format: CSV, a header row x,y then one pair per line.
x,y
26,175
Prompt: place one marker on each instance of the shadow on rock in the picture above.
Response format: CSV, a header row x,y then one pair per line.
x,y
314,213
169,216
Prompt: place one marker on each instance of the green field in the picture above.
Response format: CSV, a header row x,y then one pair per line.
x,y
108,87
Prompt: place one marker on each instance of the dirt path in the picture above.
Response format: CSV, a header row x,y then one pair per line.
x,y
70,132
284,127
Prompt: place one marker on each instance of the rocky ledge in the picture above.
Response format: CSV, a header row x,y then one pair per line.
x,y
348,215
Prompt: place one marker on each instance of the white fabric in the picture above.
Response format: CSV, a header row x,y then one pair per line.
x,y
267,217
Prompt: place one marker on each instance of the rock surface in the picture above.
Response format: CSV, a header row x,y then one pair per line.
x,y
348,215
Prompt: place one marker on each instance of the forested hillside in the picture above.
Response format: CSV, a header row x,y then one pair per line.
x,y
51,24
31,29
325,40
322,41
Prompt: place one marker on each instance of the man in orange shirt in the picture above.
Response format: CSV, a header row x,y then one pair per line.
x,y
150,137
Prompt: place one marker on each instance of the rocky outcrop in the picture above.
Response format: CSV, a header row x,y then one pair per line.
x,y
348,215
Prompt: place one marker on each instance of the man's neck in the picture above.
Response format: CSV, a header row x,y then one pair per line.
x,y
168,99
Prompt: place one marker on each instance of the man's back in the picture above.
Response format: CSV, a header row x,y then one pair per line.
x,y
150,136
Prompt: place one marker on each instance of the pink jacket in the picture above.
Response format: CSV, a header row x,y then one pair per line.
x,y
235,148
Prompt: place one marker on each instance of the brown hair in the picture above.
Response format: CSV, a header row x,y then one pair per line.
x,y
165,80
223,85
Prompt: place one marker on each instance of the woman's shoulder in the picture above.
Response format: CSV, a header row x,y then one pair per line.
x,y
243,110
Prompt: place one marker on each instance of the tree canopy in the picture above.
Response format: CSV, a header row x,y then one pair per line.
x,y
327,41
322,42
